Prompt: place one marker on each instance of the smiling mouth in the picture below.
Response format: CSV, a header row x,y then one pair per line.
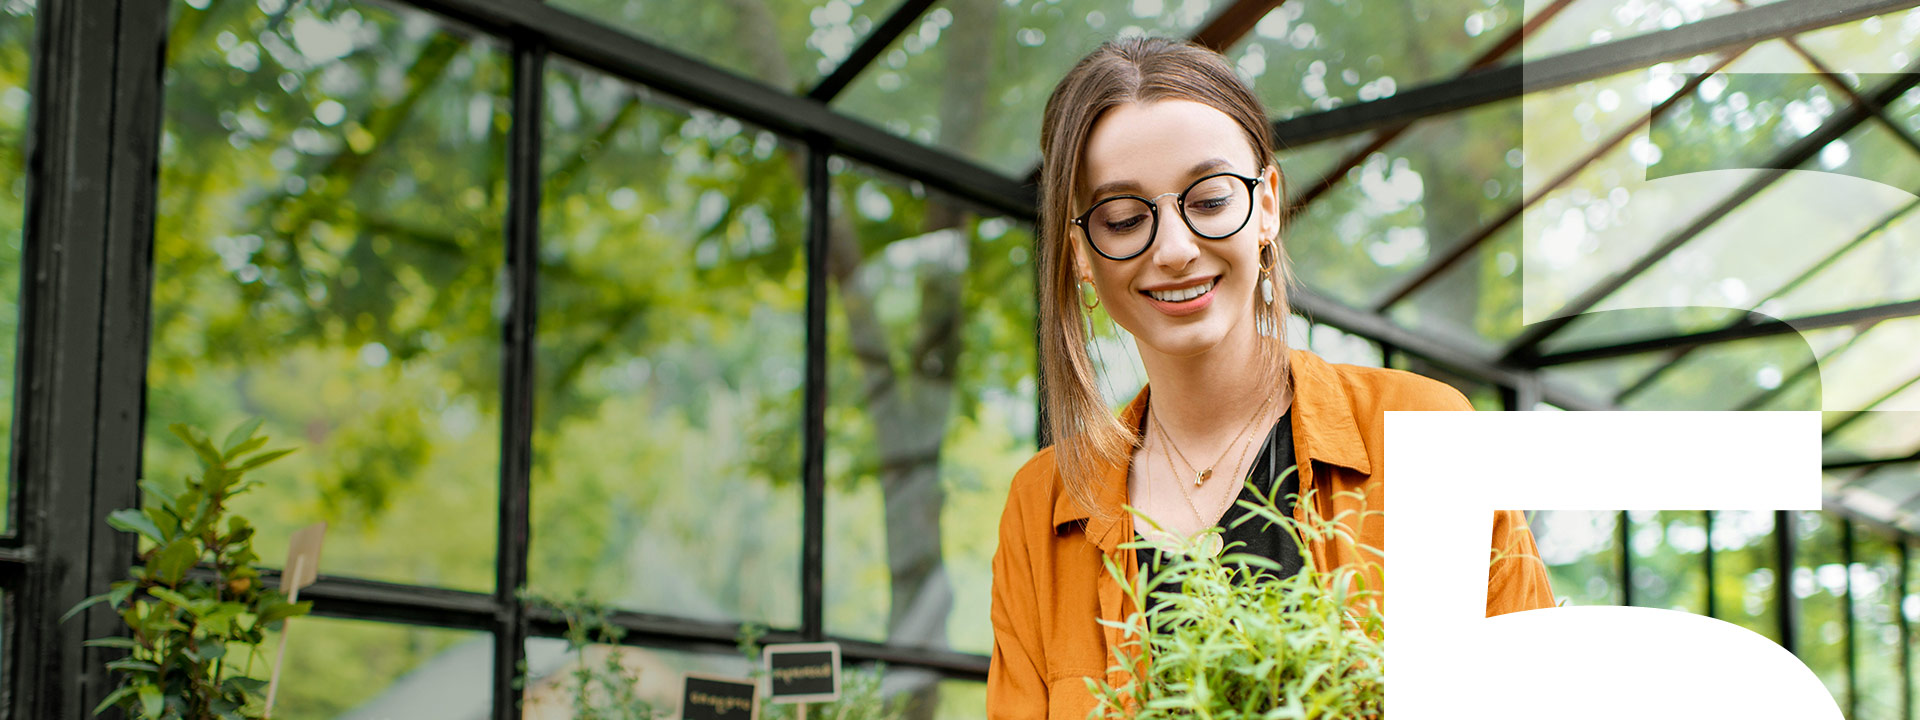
x,y
1183,294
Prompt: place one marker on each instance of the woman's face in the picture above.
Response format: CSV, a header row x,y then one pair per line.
x,y
1147,149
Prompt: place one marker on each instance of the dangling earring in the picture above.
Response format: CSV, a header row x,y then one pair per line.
x,y
1264,321
1089,299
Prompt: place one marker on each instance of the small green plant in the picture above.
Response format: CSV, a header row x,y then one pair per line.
x,y
1240,641
194,639
607,690
860,694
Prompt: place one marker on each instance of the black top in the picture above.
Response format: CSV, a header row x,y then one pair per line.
x,y
1257,536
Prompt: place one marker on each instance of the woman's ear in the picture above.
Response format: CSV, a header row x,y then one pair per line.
x,y
1081,269
1270,200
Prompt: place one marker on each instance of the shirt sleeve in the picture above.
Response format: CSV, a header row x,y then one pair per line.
x,y
1516,577
1016,686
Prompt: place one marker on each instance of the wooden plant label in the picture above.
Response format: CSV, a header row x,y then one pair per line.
x,y
706,697
803,672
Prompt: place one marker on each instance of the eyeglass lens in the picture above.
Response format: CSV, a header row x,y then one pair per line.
x,y
1215,207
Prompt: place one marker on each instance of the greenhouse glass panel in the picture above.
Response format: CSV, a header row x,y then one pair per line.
x,y
327,250
1722,376
1819,584
973,76
1416,198
1875,435
1564,125
1873,366
1582,553
1595,22
16,82
931,410
1308,56
1877,640
1599,381
1880,44
1873,272
1301,167
1475,302
789,44
357,670
1337,346
1746,586
1482,396
1669,560
671,357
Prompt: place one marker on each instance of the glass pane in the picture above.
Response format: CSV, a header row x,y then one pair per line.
x,y
974,75
1581,550
1669,560
1881,360
1745,582
1905,111
789,44
1594,22
1876,435
1872,273
1333,345
1599,381
1877,640
16,79
656,676
1880,44
1317,55
1741,119
1820,584
1477,301
672,349
1305,165
1418,197
1565,124
933,408
352,669
327,255
1722,376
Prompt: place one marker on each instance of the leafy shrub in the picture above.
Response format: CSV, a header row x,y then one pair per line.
x,y
190,634
1240,641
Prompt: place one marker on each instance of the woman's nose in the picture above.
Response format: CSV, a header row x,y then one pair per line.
x,y
1176,246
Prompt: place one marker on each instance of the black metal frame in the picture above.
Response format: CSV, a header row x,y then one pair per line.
x,y
93,166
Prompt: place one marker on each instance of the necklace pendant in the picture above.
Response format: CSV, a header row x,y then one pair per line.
x,y
1202,476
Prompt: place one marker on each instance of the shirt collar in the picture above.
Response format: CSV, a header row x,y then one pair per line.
x,y
1324,431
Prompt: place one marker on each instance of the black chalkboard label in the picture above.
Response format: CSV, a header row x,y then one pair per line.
x,y
804,672
718,698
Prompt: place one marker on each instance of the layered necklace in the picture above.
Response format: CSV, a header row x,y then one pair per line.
x,y
1209,543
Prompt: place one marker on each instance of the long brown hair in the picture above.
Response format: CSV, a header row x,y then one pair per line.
x,y
1086,435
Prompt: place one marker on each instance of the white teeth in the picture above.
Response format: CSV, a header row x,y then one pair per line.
x,y
1183,294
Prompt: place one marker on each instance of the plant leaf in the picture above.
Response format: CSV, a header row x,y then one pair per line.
x,y
239,435
150,701
82,605
172,562
112,642
154,491
134,521
114,698
264,458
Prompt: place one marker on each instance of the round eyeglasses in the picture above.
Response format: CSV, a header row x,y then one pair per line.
x,y
1123,226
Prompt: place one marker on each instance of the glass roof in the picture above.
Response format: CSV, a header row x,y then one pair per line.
x,y
789,44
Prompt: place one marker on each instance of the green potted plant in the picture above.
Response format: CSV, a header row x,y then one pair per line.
x,y
1238,642
194,636
607,690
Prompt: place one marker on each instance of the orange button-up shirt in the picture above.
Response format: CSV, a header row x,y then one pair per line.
x,y
1050,585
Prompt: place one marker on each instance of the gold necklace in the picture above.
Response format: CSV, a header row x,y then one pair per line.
x,y
1210,542
1202,475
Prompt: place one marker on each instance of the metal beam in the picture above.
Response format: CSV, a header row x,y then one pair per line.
x,y
517,351
1753,325
1521,350
697,82
875,43
1411,283
1233,23
1506,82
813,461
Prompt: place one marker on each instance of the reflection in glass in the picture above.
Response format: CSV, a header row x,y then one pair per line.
x,y
1581,553
356,670
326,256
1746,586
16,67
670,359
931,410
1669,560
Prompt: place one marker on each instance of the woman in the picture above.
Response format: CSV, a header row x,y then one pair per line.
x,y
1162,203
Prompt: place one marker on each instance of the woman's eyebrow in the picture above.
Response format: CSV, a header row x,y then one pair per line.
x,y
1118,186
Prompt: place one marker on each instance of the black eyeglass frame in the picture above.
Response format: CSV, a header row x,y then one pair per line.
x,y
1153,207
